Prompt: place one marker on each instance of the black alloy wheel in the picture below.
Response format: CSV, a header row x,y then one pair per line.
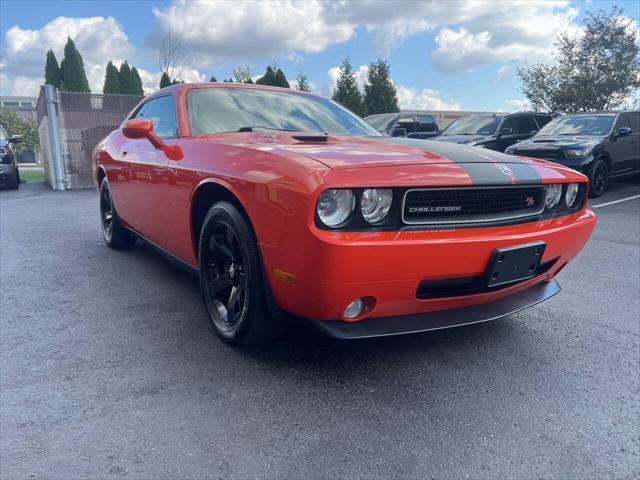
x,y
106,214
114,233
225,271
231,278
598,178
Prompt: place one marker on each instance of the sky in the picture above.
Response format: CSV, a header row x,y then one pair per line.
x,y
444,55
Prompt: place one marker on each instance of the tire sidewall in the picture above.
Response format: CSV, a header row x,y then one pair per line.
x,y
104,185
229,214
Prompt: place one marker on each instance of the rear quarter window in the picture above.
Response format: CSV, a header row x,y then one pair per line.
x,y
634,119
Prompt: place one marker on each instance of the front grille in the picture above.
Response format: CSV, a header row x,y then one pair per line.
x,y
544,154
441,206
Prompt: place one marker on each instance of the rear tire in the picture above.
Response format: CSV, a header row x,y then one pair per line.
x,y
114,233
598,178
13,183
231,279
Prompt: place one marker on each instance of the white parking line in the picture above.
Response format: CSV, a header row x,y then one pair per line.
x,y
615,201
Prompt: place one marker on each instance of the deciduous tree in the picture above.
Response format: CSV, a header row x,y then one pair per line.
x,y
598,70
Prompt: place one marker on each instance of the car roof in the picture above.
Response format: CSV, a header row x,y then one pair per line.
x,y
243,86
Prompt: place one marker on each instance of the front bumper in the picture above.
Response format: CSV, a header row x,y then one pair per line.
x,y
423,322
331,269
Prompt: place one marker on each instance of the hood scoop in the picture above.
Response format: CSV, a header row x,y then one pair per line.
x,y
311,138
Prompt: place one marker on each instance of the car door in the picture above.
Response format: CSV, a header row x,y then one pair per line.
x,y
634,120
622,147
525,127
145,193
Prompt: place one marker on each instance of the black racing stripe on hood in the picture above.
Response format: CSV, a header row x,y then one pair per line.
x,y
475,160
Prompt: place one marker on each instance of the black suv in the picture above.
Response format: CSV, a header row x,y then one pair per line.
x,y
9,174
495,131
405,124
602,145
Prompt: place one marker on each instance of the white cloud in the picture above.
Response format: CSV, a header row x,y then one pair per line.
x,y
519,104
424,99
98,39
502,73
470,33
215,32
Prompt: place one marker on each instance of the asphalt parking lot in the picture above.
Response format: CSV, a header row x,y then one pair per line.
x,y
109,369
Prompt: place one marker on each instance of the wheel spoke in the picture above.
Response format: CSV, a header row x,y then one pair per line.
x,y
233,307
219,283
219,250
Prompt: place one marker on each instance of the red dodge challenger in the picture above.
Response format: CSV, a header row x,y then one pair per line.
x,y
287,206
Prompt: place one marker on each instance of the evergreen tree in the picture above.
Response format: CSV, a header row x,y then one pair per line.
x,y
165,81
281,80
347,92
74,79
269,77
212,79
137,82
380,94
52,74
111,79
228,80
302,83
127,82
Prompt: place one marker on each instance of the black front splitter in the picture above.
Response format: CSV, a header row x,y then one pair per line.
x,y
422,322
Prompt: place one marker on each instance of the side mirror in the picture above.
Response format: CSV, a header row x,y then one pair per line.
x,y
143,128
399,132
623,132
533,132
137,128
15,139
506,131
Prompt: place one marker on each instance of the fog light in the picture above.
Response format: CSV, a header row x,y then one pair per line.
x,y
354,309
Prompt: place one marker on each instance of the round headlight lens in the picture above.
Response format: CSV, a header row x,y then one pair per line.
x,y
571,195
376,203
334,206
554,194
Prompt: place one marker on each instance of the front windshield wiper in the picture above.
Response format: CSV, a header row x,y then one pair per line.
x,y
253,127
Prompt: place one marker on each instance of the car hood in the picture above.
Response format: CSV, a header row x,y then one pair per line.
x,y
544,142
349,152
461,138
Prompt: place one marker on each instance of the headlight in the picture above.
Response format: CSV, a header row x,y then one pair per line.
x,y
554,194
375,204
579,153
571,195
510,151
335,206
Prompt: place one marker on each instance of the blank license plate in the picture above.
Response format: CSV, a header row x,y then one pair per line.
x,y
512,264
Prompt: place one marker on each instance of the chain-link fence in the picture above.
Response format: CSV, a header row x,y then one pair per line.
x,y
81,121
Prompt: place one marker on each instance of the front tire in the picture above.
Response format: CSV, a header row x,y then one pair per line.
x,y
114,233
13,183
231,278
598,178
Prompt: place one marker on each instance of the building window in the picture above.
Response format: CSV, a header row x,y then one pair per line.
x,y
26,104
10,104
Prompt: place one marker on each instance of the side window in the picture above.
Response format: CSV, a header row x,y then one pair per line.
x,y
524,125
508,123
426,123
542,120
162,112
634,119
623,121
408,123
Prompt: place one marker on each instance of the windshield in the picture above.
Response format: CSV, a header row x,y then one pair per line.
x,y
484,125
380,122
578,125
217,110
